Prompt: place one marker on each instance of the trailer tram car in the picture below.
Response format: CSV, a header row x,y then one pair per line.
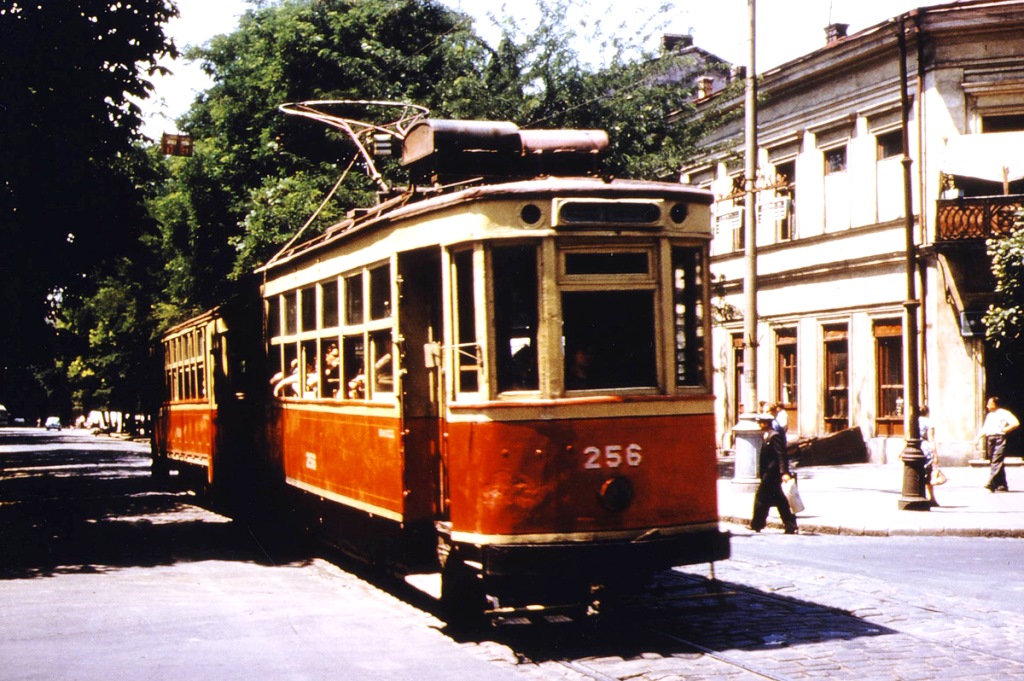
x,y
203,430
504,379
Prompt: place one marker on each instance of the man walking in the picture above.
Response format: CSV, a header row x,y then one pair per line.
x,y
773,466
998,423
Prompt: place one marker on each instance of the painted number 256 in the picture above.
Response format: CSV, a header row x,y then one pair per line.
x,y
613,456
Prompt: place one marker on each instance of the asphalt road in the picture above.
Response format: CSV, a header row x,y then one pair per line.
x,y
104,577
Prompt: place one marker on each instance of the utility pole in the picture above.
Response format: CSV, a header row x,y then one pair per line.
x,y
747,434
750,224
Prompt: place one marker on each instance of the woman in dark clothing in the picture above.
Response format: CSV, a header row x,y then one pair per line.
x,y
773,467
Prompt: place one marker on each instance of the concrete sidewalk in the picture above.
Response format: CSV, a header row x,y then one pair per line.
x,y
862,499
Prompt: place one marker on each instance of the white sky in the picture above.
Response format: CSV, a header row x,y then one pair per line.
x,y
786,29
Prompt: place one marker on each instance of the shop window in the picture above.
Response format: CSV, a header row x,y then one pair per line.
x,y
837,372
889,405
786,372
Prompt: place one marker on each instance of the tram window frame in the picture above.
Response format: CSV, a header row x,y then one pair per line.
x,y
515,292
689,312
467,360
185,366
330,313
308,309
290,316
374,376
594,358
335,313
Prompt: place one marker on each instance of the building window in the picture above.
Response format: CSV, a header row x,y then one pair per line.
x,y
889,406
835,160
837,372
838,200
739,387
889,144
786,372
889,199
785,224
1005,123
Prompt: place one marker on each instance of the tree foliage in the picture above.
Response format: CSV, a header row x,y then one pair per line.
x,y
69,197
1004,320
258,175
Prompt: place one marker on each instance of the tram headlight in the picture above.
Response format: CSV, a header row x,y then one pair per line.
x,y
615,494
530,214
678,213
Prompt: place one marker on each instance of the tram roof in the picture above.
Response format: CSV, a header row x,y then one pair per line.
x,y
416,202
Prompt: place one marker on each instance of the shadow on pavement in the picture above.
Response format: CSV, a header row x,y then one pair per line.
x,y
73,505
738,621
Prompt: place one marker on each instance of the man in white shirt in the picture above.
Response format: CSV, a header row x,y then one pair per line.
x,y
998,423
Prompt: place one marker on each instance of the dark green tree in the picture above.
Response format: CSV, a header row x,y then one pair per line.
x,y
1004,320
70,205
258,175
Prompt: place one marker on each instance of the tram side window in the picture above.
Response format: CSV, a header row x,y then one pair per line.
x,y
185,366
353,356
330,308
383,361
688,305
466,349
273,317
354,299
200,365
291,312
515,316
380,292
608,338
309,311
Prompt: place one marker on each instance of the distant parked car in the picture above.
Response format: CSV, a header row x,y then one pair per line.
x,y
52,423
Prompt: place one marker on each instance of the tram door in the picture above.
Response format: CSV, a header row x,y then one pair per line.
x,y
419,321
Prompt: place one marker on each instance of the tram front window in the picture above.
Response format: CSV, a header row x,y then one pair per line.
x,y
609,339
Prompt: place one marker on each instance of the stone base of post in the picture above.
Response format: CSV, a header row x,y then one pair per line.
x,y
913,498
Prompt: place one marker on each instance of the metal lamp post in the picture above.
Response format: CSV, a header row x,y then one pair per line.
x,y
912,498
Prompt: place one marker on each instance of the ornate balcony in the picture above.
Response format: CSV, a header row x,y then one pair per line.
x,y
977,218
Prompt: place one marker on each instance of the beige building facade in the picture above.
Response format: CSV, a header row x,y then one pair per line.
x,y
832,235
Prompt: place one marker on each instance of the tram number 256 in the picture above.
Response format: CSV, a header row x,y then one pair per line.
x,y
612,456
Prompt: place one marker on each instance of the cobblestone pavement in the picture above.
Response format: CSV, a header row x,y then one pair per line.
x,y
781,622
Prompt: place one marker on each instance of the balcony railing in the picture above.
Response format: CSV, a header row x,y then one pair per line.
x,y
978,217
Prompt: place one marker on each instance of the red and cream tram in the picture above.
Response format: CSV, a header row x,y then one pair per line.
x,y
507,380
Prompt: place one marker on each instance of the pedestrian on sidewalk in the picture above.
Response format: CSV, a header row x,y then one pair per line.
x,y
998,424
927,430
773,465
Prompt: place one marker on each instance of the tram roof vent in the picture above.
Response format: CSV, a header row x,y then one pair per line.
x,y
446,150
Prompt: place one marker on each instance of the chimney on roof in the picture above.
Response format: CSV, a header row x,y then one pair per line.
x,y
671,42
835,32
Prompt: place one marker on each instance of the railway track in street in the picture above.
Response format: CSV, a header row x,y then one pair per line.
x,y
694,627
